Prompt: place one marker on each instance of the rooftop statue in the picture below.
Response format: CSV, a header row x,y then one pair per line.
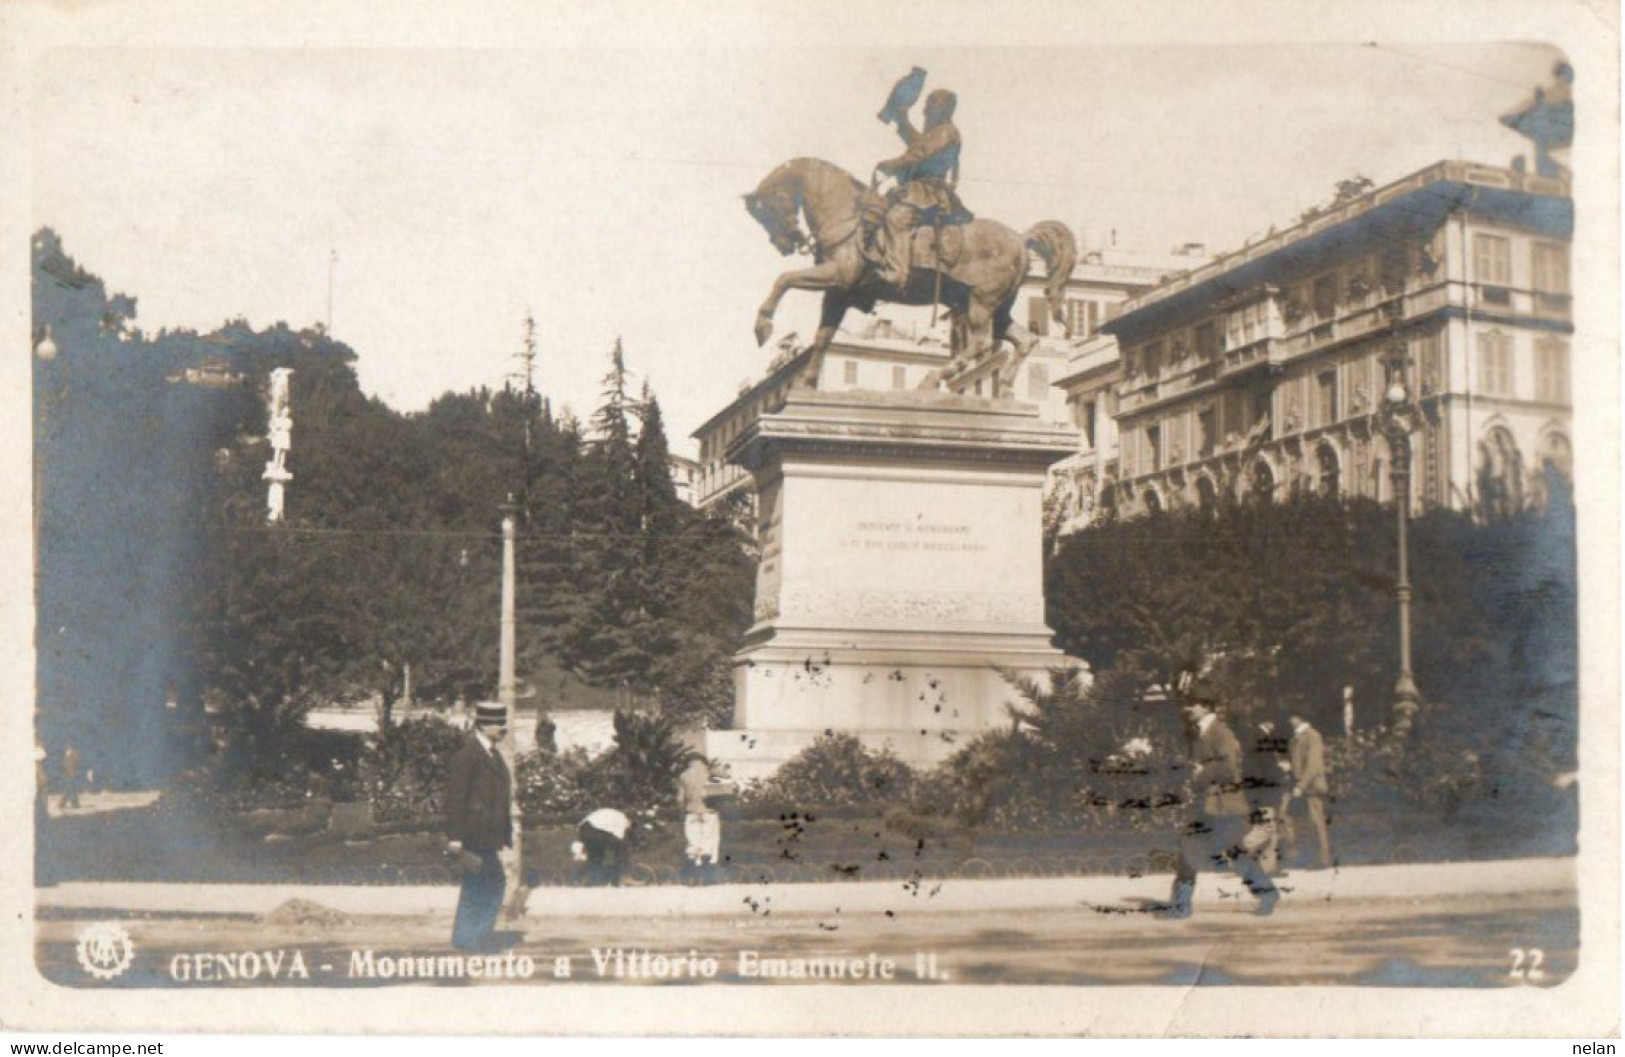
x,y
1547,119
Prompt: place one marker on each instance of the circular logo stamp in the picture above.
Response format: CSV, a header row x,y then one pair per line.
x,y
105,950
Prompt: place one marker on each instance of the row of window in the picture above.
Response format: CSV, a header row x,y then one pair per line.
x,y
1197,432
717,476
1493,264
1089,412
1318,299
1038,384
1348,389
1500,473
1083,315
1260,481
1315,300
1498,367
1325,479
712,446
849,375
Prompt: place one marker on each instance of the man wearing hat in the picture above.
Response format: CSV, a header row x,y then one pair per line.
x,y
479,824
1216,832
1308,754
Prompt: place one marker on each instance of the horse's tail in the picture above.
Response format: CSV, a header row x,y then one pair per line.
x,y
1053,241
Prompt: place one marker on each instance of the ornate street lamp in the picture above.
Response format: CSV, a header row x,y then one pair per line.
x,y
46,349
44,353
1398,420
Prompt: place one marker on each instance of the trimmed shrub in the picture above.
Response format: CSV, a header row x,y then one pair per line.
x,y
996,779
403,773
298,768
1373,765
552,785
837,771
639,775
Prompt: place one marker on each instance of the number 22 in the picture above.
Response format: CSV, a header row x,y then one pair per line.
x,y
1526,964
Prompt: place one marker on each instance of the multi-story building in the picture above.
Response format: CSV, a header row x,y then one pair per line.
x,y
685,475
1082,482
1101,282
885,356
1263,370
1070,373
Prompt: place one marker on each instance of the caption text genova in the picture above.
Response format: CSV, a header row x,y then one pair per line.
x,y
620,963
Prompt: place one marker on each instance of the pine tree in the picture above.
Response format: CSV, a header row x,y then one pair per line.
x,y
657,494
611,423
607,641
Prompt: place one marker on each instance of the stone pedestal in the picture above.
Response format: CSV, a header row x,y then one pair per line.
x,y
901,570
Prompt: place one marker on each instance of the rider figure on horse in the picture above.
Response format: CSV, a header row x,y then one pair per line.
x,y
926,175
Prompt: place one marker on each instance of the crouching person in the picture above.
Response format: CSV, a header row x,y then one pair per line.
x,y
601,843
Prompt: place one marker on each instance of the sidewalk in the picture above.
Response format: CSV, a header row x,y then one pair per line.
x,y
1398,883
101,802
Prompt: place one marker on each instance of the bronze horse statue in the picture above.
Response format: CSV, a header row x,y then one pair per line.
x,y
982,263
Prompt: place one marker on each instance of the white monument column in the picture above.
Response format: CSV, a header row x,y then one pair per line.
x,y
281,436
901,570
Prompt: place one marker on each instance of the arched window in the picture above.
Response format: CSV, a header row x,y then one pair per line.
x,y
1207,495
1558,454
1153,502
1500,474
1555,483
1263,480
1330,484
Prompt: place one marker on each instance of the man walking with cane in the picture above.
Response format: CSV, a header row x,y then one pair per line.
x,y
479,824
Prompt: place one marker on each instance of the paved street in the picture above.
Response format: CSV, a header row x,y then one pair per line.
x,y
1417,932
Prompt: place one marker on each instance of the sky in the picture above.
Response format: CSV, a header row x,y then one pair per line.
x,y
451,191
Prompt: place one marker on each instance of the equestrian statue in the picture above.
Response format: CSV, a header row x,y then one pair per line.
x,y
917,245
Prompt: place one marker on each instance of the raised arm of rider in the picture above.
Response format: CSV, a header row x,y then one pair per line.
x,y
906,131
923,146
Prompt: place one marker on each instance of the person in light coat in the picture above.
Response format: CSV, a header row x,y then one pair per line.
x,y
702,826
1307,755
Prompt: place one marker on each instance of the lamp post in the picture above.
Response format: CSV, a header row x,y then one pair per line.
x,y
1398,420
45,352
44,392
506,694
505,656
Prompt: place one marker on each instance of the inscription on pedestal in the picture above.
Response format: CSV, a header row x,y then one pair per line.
x,y
937,537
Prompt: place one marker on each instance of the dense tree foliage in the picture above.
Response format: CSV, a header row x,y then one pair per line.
x,y
160,578
1284,604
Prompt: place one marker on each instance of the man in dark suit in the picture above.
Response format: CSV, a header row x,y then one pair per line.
x,y
479,824
1307,753
1219,824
